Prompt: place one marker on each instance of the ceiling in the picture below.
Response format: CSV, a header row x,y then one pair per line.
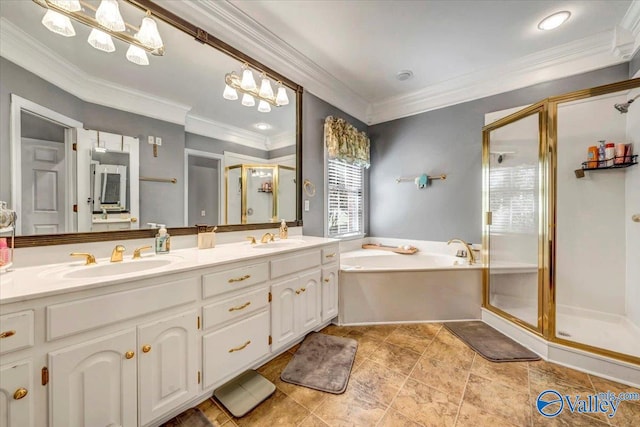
x,y
348,52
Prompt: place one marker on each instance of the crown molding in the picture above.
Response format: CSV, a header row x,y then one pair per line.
x,y
281,140
225,132
22,49
631,22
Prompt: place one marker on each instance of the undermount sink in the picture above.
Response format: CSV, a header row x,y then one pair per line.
x,y
287,243
116,268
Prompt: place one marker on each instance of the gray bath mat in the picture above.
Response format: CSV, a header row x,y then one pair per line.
x,y
323,362
491,344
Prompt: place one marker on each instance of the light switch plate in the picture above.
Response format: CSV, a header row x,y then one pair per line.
x,y
151,139
203,213
158,140
306,205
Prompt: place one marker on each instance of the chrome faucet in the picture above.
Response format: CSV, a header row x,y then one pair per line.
x,y
116,255
267,237
470,256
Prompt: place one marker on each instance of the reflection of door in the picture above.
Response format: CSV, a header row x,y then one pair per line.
x,y
203,188
43,181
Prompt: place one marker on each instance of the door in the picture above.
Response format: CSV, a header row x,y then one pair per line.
x,y
203,190
283,313
329,293
309,301
167,365
16,398
513,194
95,383
43,184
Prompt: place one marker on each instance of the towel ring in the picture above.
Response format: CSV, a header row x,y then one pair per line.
x,y
309,188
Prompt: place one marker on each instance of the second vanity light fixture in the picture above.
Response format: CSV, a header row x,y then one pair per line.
x,y
247,86
105,23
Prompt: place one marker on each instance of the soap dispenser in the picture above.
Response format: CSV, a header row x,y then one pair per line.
x,y
284,230
162,240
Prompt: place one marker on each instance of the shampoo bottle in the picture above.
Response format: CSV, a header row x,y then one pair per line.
x,y
163,244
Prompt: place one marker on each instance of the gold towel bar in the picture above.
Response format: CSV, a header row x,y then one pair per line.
x,y
148,178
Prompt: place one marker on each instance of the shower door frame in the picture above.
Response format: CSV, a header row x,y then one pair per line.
x,y
547,167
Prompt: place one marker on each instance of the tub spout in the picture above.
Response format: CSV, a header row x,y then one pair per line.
x,y
470,256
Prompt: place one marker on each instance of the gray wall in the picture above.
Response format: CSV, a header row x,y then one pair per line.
x,y
218,146
449,141
203,190
314,111
634,65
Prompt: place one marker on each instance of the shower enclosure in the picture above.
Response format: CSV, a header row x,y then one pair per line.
x,y
562,235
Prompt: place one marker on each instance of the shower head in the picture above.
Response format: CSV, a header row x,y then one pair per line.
x,y
624,107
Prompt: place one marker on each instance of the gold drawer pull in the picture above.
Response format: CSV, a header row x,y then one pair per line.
x,y
239,279
7,334
129,354
146,348
240,307
331,255
20,393
242,347
327,280
299,291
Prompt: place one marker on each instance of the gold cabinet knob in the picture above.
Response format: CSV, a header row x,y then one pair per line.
x,y
303,289
7,334
20,393
129,354
146,348
327,280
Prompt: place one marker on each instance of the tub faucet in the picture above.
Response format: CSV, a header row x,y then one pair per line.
x,y
470,256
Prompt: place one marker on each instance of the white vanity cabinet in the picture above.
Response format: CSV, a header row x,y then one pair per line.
x,y
16,394
329,284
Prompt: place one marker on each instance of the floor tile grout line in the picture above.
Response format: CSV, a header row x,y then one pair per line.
x,y
464,390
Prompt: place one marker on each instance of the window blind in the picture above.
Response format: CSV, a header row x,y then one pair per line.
x,y
512,199
345,199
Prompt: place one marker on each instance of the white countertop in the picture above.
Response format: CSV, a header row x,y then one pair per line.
x,y
39,281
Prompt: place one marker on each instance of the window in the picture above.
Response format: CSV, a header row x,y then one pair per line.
x,y
345,199
512,199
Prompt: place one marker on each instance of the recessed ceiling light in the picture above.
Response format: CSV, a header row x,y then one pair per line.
x,y
554,21
262,126
403,75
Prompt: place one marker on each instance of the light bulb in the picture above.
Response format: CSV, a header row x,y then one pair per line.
x,y
68,5
137,55
554,21
148,34
229,93
263,106
58,23
265,88
282,98
247,83
101,41
108,15
248,101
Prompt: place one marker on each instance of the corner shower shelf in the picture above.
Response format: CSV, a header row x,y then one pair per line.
x,y
634,161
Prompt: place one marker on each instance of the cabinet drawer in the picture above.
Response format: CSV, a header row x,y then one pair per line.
x,y
232,349
228,309
16,331
330,254
234,279
294,263
90,313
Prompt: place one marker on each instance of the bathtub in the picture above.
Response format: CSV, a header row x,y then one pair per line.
x,y
384,287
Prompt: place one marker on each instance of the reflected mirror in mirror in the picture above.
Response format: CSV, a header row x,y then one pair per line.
x,y
59,89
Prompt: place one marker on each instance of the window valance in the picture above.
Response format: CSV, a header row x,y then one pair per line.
x,y
346,143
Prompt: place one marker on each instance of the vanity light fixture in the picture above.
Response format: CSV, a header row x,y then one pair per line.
x,y
554,20
105,22
247,86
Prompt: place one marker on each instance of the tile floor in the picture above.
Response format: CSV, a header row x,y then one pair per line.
x,y
422,375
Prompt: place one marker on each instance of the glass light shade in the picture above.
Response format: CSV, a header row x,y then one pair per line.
x,y
248,101
229,93
265,89
68,5
108,15
148,34
282,98
101,41
58,23
248,83
554,21
137,55
264,107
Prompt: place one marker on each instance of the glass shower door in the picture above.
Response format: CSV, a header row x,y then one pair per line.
x,y
512,200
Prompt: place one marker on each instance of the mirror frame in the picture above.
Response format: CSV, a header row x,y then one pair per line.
x,y
202,36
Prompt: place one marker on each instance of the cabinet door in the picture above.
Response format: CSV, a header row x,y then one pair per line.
x,y
16,398
309,301
283,312
94,383
329,292
167,371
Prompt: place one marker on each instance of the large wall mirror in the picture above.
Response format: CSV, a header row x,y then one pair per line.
x,y
94,142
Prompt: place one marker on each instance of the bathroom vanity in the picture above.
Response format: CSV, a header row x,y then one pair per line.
x,y
134,344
